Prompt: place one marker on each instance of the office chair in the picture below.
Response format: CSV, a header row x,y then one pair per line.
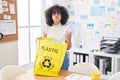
x,y
10,71
84,68
115,76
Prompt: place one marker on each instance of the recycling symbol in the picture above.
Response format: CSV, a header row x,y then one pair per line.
x,y
46,63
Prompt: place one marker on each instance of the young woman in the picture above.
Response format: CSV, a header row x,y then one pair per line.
x,y
56,18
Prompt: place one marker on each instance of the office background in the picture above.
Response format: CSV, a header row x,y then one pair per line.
x,y
88,24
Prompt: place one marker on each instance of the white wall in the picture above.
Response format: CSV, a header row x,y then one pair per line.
x,y
60,2
8,53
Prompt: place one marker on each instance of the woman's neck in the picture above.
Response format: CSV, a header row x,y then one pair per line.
x,y
56,23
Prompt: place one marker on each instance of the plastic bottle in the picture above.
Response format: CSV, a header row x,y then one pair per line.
x,y
96,76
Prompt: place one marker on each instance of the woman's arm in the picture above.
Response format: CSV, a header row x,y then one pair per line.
x,y
68,40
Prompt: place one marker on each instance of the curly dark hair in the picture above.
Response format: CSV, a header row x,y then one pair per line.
x,y
59,9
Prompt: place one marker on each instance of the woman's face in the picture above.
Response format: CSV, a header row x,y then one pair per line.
x,y
56,17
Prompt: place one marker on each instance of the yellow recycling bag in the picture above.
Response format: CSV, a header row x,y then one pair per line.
x,y
50,55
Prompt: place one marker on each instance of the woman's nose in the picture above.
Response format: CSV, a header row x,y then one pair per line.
x,y
56,14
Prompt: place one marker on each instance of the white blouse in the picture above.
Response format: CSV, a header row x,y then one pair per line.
x,y
56,31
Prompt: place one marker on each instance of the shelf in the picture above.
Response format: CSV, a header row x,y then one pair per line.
x,y
104,63
117,63
79,50
104,54
115,58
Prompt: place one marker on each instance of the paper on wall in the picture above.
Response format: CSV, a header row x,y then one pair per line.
x,y
5,9
5,3
8,17
12,8
1,10
8,27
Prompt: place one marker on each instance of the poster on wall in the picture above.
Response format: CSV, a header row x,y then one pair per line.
x,y
95,18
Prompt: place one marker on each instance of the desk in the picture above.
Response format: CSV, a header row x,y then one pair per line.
x,y
31,76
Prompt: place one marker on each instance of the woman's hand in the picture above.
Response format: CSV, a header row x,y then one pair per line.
x,y
44,35
68,39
